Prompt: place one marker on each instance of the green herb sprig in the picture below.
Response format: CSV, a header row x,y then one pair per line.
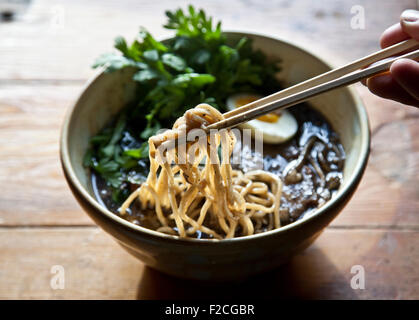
x,y
197,65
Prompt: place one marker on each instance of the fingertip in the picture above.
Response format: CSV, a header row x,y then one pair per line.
x,y
379,84
392,35
401,67
385,86
406,73
409,21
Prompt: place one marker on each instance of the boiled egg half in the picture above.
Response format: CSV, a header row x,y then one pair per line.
x,y
276,127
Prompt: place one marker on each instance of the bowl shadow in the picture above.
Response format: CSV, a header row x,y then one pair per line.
x,y
309,275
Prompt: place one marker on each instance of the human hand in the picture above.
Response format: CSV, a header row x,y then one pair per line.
x,y
401,83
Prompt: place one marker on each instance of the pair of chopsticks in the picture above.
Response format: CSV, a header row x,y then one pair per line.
x,y
336,78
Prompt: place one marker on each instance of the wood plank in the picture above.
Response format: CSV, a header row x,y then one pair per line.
x,y
100,269
33,187
323,271
59,39
389,191
34,191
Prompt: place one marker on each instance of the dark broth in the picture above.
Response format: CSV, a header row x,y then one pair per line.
x,y
319,173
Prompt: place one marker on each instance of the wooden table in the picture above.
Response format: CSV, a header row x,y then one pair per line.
x,y
45,59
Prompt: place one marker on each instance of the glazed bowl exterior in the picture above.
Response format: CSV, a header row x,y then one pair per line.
x,y
229,259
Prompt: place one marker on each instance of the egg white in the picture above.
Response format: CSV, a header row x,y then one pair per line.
x,y
276,132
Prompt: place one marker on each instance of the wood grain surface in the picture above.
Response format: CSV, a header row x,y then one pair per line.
x,y
45,58
99,268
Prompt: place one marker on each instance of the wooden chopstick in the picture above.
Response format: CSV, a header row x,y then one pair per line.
x,y
330,75
306,94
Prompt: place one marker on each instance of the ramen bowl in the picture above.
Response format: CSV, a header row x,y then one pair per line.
x,y
228,259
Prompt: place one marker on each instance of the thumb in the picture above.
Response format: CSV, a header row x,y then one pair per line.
x,y
409,21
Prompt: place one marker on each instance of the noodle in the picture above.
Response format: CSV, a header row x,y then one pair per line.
x,y
214,199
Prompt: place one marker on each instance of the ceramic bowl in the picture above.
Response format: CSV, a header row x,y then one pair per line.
x,y
107,93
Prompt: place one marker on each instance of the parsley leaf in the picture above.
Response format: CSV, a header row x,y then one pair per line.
x,y
197,65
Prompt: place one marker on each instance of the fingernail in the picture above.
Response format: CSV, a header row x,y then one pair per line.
x,y
410,16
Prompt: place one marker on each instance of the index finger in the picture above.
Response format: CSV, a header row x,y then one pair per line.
x,y
393,35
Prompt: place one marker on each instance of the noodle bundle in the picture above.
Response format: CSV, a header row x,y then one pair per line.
x,y
192,188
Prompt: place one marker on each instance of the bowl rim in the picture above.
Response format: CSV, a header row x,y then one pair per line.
x,y
341,194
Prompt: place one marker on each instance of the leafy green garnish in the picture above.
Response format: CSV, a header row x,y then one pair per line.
x,y
138,153
197,65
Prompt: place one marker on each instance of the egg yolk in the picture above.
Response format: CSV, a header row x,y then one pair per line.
x,y
270,117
